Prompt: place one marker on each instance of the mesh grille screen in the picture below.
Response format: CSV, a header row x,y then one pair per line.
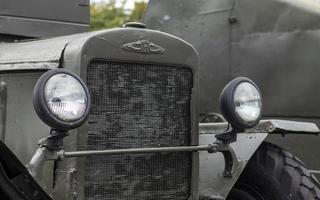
x,y
138,105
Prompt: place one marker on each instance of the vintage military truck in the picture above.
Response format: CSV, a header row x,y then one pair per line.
x,y
113,114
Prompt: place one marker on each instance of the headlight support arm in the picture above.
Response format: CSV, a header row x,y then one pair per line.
x,y
48,150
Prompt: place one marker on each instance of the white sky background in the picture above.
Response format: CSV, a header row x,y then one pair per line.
x,y
129,5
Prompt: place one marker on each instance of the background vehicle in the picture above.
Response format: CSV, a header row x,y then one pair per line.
x,y
275,43
141,139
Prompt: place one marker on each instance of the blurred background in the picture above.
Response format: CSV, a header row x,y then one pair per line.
x,y
114,13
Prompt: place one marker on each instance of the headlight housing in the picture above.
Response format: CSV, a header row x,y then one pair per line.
x,y
241,103
61,99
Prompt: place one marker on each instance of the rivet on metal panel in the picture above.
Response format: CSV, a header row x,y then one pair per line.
x,y
233,20
270,128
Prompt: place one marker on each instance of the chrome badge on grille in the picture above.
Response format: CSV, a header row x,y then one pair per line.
x,y
144,46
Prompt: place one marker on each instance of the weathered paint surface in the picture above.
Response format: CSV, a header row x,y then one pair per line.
x,y
273,42
42,54
203,23
212,182
43,18
73,53
20,134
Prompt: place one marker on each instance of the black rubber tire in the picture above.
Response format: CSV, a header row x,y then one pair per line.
x,y
275,174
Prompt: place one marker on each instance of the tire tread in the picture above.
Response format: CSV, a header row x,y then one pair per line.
x,y
275,169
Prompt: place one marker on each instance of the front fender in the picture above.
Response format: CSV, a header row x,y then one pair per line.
x,y
213,185
212,182
15,181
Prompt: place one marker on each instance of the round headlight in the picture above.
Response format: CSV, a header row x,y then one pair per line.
x,y
241,103
61,99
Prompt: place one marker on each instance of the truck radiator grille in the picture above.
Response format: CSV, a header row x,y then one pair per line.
x,y
133,106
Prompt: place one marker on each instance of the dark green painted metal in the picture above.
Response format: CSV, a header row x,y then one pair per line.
x,y
274,49
212,183
233,38
3,109
73,53
274,43
135,151
15,181
205,25
109,45
33,54
43,18
272,126
18,129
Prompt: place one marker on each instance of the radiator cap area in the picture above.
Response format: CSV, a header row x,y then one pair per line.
x,y
134,25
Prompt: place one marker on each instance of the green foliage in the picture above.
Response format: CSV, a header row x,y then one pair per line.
x,y
109,15
138,11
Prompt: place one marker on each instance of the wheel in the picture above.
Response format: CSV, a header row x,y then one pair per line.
x,y
275,174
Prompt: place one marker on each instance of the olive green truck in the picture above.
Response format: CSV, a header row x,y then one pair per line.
x,y
114,114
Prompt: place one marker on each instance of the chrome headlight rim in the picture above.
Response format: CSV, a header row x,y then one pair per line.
x,y
42,108
228,107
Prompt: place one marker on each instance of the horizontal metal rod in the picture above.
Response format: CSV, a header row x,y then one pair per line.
x,y
136,151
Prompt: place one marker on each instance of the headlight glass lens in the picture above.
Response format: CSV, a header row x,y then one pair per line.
x,y
247,102
65,96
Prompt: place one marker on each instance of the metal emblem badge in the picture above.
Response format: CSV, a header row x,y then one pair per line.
x,y
144,46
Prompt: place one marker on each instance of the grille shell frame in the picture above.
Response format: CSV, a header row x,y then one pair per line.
x,y
108,44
